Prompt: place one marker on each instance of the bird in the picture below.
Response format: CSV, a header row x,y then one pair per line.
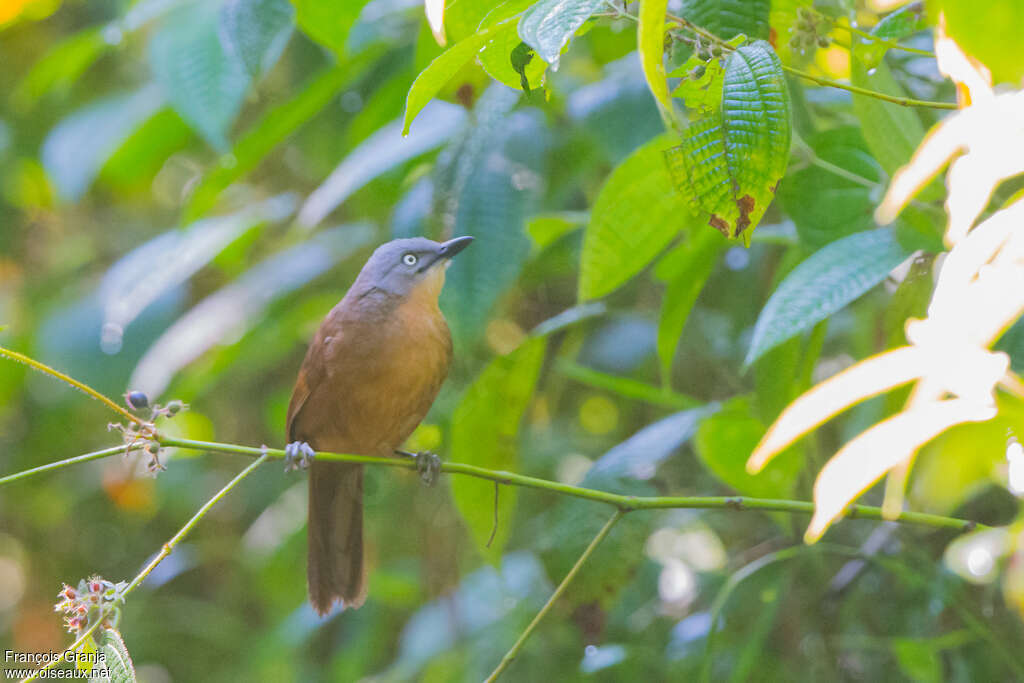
x,y
369,376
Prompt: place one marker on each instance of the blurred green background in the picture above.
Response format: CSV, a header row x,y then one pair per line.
x,y
186,188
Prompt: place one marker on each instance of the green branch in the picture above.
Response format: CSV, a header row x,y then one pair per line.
x,y
904,101
514,651
166,550
95,455
84,388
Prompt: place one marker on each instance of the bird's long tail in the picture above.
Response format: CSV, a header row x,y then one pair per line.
x,y
335,532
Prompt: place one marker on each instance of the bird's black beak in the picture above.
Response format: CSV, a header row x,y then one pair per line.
x,y
453,246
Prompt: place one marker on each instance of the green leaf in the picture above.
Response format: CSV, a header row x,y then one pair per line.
x,y
731,160
988,31
702,94
379,153
627,387
508,60
902,23
256,31
485,426
724,442
117,666
549,24
636,214
729,18
892,131
825,205
650,43
205,84
78,147
685,270
443,69
61,66
547,228
489,190
132,167
918,660
328,21
276,126
823,284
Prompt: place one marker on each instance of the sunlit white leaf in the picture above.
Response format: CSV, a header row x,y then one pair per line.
x,y
863,461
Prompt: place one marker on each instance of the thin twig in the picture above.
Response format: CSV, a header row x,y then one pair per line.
x,y
514,652
95,455
494,526
160,557
903,101
84,388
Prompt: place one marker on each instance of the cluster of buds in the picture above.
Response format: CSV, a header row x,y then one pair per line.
x,y
142,435
809,32
92,598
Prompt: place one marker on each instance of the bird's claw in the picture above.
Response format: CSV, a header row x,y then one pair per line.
x,y
297,456
429,466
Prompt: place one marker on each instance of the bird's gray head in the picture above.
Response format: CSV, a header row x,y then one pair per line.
x,y
409,267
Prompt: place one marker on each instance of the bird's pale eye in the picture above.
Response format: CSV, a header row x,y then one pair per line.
x,y
410,259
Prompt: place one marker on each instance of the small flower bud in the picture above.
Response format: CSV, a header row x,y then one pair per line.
x,y
136,400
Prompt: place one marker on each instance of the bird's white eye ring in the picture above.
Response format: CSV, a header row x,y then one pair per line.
x,y
410,259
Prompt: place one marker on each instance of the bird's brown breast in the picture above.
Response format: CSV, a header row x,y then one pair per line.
x,y
370,379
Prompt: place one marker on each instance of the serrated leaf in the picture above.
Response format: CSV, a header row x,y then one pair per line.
x,y
728,18
256,31
701,94
117,665
442,69
726,438
826,282
731,160
549,24
266,134
203,82
826,206
78,147
484,432
328,21
636,214
650,43
685,270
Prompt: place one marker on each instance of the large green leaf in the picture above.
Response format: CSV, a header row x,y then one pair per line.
x,y
988,31
256,31
61,66
549,24
723,443
731,159
892,131
78,147
328,21
828,204
685,270
828,280
484,432
442,69
902,23
204,83
117,665
266,134
491,185
728,18
636,214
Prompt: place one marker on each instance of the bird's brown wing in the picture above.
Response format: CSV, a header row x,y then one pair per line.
x,y
310,374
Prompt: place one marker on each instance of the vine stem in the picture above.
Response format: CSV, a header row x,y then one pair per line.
x,y
514,650
903,101
166,550
84,388
95,455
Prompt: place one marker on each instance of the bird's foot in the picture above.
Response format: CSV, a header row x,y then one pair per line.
x,y
429,466
297,456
